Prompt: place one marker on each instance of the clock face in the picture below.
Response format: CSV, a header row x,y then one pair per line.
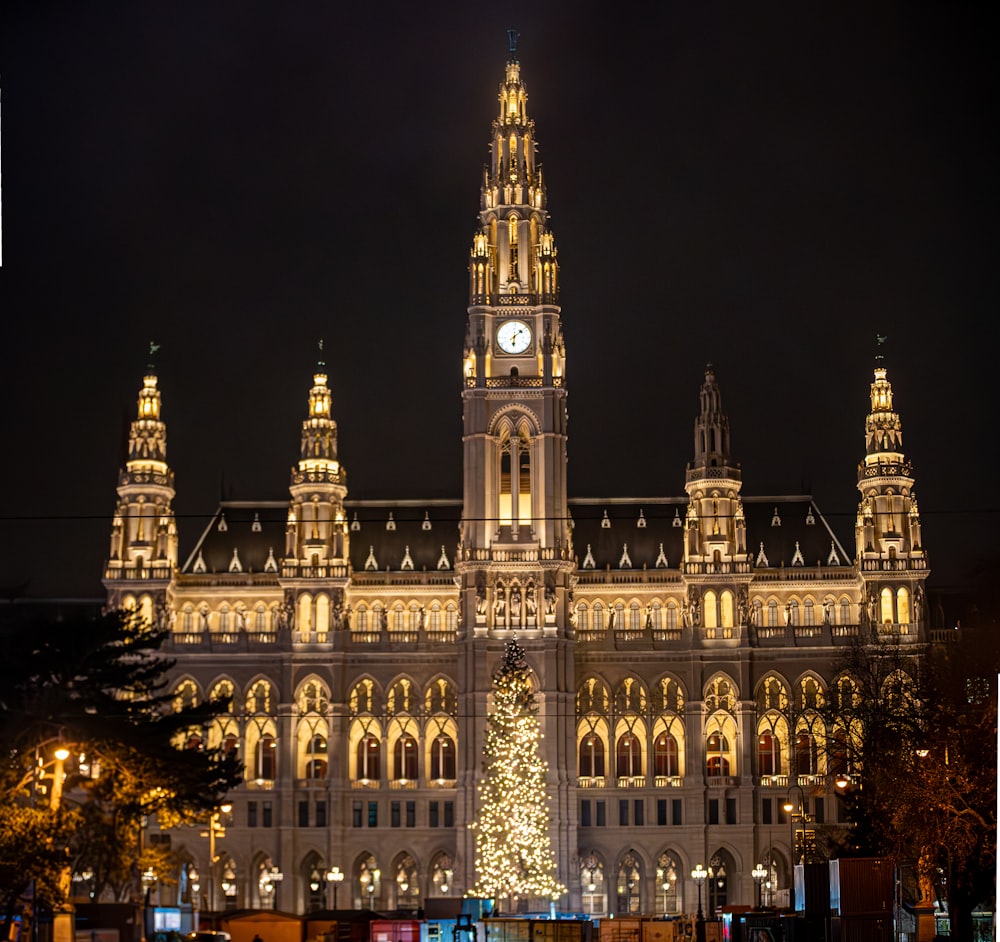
x,y
514,337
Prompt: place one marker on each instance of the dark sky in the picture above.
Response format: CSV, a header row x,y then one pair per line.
x,y
760,186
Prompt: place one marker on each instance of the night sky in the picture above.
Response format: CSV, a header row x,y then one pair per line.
x,y
764,187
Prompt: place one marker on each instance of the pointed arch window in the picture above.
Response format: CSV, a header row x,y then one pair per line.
x,y
628,756
903,606
667,870
806,754
591,756
671,615
369,758
726,609
443,758
634,617
666,756
266,758
404,759
768,758
316,757
887,607
772,614
717,755
629,884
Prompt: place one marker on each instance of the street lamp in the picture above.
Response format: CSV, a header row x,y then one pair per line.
x,y
793,848
335,876
195,884
699,875
215,829
758,873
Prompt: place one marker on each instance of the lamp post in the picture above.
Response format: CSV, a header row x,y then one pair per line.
x,y
215,829
758,873
792,846
699,875
195,884
335,876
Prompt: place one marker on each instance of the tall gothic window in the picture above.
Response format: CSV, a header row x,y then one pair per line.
x,y
591,756
665,758
628,756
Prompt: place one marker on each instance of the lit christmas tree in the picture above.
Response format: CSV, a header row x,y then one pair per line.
x,y
514,859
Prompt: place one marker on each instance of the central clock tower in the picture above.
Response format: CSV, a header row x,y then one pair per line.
x,y
515,564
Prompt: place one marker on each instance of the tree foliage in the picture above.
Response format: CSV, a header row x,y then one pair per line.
x,y
922,753
99,687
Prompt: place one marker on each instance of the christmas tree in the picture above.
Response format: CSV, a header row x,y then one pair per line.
x,y
514,859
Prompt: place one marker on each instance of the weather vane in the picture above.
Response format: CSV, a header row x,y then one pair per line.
x,y
880,340
512,37
153,347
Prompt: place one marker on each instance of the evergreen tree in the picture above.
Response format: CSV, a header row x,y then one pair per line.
x,y
98,686
514,857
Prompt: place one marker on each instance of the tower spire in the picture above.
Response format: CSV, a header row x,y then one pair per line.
x,y
715,527
144,530
887,532
316,533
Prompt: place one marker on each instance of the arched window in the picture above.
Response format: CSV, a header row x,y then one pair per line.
x,y
629,884
656,617
634,617
809,612
266,758
628,756
368,755
717,755
710,610
322,613
903,606
726,609
845,612
772,614
316,760
667,870
767,754
592,884
404,759
260,618
665,760
717,885
442,758
805,754
671,615
591,756
887,599
305,616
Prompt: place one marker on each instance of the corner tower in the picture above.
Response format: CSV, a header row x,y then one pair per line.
x,y
317,544
890,552
143,554
515,394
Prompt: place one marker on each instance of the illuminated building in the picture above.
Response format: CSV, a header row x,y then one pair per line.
x,y
680,644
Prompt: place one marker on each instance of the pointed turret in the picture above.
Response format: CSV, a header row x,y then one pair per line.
x,y
715,527
889,546
143,553
317,532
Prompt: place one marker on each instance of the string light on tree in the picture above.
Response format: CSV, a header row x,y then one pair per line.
x,y
514,857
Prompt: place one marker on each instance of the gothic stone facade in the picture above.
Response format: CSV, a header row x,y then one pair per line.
x,y
681,645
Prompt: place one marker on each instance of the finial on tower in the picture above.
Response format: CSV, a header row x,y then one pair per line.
x,y
320,361
880,340
512,36
153,349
